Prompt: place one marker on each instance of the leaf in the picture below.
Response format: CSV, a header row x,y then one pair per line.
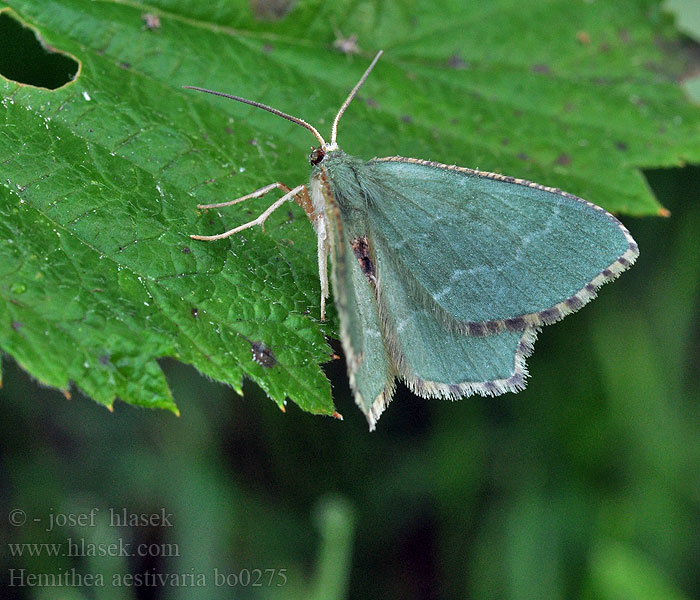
x,y
618,571
100,178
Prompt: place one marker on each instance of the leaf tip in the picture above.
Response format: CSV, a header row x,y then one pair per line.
x,y
663,212
66,394
337,415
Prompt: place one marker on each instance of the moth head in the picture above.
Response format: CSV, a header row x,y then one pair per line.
x,y
317,154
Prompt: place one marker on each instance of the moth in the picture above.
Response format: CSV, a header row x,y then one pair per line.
x,y
442,275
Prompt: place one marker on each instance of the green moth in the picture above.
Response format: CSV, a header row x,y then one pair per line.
x,y
442,275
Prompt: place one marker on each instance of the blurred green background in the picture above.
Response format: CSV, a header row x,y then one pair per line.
x,y
578,487
585,485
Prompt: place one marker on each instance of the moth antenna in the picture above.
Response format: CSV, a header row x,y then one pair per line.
x,y
334,130
274,111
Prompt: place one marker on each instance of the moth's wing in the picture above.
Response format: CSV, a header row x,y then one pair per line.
x,y
436,361
494,253
370,370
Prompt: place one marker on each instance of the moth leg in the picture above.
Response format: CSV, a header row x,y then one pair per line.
x,y
256,194
323,249
259,221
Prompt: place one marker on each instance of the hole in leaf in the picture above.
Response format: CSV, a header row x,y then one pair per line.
x,y
26,58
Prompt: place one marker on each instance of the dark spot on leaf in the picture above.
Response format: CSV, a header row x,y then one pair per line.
x,y
186,250
563,159
228,130
457,63
583,37
205,136
624,36
454,121
621,146
195,312
541,68
150,21
569,106
270,10
253,142
517,112
27,58
523,156
125,65
267,48
104,359
605,47
371,102
406,119
505,141
347,45
17,325
263,355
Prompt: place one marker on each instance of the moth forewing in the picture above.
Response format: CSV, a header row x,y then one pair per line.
x,y
371,370
532,254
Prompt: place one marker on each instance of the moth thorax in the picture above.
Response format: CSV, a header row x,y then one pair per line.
x,y
316,156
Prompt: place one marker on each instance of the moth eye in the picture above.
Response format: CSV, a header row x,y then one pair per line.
x,y
316,156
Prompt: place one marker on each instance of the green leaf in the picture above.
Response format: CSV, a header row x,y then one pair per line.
x,y
101,177
618,572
